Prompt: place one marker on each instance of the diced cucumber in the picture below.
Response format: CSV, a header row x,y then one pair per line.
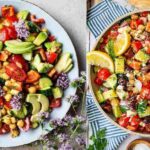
x,y
100,97
36,60
27,56
57,92
45,83
119,65
109,94
111,82
142,56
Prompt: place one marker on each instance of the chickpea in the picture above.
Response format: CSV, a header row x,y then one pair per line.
x,y
3,111
12,126
32,90
20,123
134,17
8,97
13,120
35,125
131,82
5,88
14,133
7,120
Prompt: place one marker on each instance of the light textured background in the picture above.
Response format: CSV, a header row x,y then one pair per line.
x,y
71,14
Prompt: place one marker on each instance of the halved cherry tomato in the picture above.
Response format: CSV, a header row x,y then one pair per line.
x,y
51,57
144,14
15,72
135,64
4,129
19,61
135,23
1,101
12,32
4,36
10,20
103,74
135,120
7,11
136,45
145,93
32,76
98,81
124,120
55,103
7,105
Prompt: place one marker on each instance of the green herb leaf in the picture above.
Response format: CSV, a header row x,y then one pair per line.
x,y
110,47
123,109
142,105
99,141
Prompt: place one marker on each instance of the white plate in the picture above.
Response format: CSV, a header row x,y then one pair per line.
x,y
57,30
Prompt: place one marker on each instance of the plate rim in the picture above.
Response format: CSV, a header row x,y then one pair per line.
x,y
69,39
89,75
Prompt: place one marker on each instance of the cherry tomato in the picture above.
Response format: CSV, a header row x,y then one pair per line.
x,y
4,129
123,120
103,74
19,61
98,81
145,93
10,20
32,76
7,11
15,72
7,105
1,102
4,35
51,57
144,14
12,32
135,120
55,103
135,23
136,45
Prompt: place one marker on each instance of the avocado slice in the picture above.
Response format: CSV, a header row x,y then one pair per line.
x,y
44,102
69,68
63,63
27,56
33,99
23,14
111,82
36,60
21,114
142,56
44,67
42,36
57,92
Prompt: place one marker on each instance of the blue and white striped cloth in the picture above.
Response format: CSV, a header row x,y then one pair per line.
x,y
98,18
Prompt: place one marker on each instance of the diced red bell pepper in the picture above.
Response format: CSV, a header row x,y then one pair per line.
x,y
135,23
55,103
98,81
10,20
144,14
7,11
4,35
51,57
51,38
103,74
135,120
123,120
135,64
136,45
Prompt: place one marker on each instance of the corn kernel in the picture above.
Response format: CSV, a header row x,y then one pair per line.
x,y
32,90
3,111
8,97
13,120
5,88
14,133
12,126
20,123
7,120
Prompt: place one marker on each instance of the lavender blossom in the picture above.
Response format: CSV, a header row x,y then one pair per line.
x,y
63,81
2,92
63,137
68,118
57,123
78,119
80,140
65,146
16,102
21,29
73,98
43,115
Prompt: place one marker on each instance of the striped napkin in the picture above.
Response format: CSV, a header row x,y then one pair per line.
x,y
98,18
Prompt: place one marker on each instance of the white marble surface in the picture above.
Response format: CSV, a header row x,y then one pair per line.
x,y
71,14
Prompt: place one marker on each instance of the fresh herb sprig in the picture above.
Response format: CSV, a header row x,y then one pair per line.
x,y
99,141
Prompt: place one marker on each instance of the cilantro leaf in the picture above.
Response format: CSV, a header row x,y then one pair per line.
x,y
141,107
99,141
110,48
123,109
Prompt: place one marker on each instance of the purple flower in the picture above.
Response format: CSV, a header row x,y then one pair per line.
x,y
43,115
73,98
68,118
21,29
63,81
80,140
57,123
65,146
2,92
16,102
63,137
79,119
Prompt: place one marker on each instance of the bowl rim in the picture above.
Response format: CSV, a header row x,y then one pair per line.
x,y
89,75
